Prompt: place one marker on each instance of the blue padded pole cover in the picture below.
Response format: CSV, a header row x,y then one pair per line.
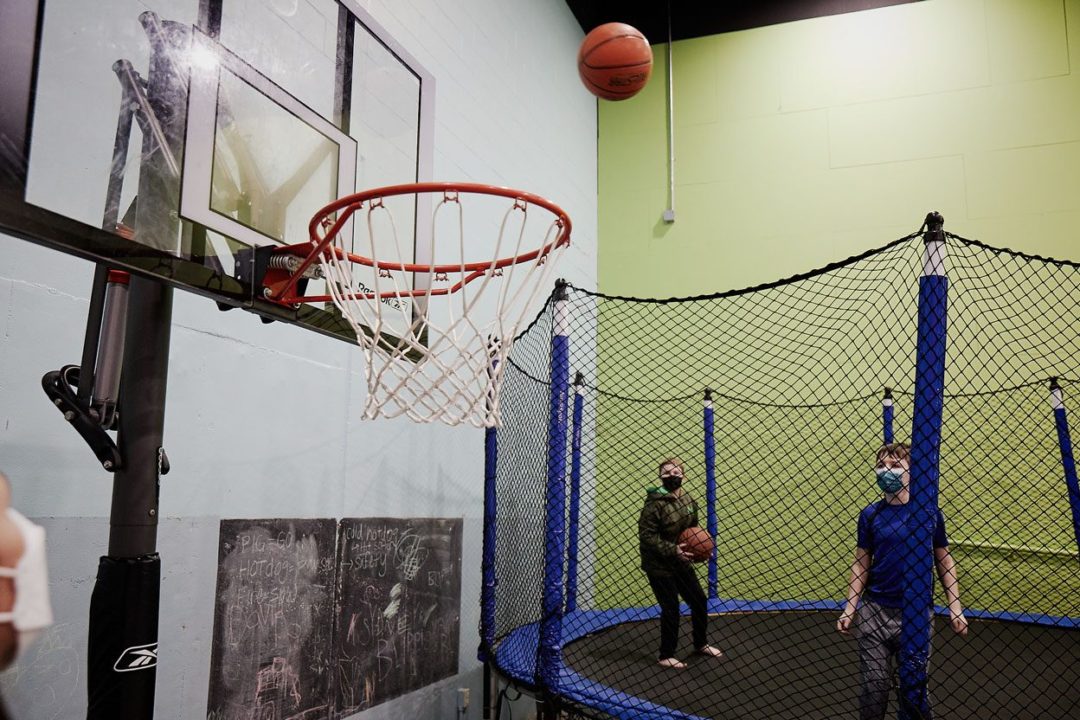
x,y
710,485
887,417
575,495
550,654
487,589
925,448
1067,462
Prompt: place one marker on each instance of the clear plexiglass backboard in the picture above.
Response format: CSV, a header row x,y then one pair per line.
x,y
175,137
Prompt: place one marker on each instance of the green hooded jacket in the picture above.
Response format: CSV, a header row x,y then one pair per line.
x,y
662,519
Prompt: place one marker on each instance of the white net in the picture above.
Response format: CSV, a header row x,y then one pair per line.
x,y
436,325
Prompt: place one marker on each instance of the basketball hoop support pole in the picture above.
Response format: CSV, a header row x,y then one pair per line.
x,y
124,604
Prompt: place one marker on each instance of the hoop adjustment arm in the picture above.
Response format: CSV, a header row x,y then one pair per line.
x,y
86,421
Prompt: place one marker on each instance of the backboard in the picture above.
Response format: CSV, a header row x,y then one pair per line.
x,y
175,137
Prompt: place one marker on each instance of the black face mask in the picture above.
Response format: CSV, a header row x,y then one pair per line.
x,y
671,482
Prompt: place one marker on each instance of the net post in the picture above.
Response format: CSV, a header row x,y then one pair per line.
x,y
1068,464
887,416
575,495
923,478
487,591
710,485
550,652
486,653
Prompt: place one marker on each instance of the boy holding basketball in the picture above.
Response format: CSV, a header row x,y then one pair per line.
x,y
878,568
668,511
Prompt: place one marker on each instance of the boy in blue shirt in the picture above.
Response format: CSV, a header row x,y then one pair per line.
x,y
879,570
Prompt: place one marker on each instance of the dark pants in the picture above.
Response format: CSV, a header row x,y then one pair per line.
x,y
668,588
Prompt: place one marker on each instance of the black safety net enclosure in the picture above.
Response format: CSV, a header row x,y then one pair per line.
x,y
879,453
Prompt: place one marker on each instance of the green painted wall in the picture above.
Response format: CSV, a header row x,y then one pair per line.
x,y
803,143
800,144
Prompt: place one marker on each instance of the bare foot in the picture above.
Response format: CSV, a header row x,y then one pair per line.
x,y
673,663
710,651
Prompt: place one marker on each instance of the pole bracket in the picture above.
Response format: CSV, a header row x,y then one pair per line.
x,y
58,386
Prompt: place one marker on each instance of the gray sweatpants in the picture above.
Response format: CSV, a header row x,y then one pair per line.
x,y
878,631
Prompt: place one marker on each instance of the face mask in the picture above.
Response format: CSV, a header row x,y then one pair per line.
x,y
671,482
890,480
32,612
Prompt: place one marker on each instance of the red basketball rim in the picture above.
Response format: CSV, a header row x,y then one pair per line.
x,y
350,204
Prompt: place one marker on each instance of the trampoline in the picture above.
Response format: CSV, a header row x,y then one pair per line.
x,y
1002,668
776,399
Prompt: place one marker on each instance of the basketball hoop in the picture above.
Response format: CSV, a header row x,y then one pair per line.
x,y
436,328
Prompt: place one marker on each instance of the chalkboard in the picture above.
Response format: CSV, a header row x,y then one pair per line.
x,y
398,607
273,618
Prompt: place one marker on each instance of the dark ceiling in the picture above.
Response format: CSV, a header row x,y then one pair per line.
x,y
697,18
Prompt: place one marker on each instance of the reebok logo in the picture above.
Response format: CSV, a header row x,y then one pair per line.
x,y
139,657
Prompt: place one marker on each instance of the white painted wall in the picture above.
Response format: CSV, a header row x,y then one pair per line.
x,y
263,420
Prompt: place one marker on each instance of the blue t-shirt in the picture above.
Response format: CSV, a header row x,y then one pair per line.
x,y
883,532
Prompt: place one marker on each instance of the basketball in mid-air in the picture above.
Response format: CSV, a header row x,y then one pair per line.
x,y
615,61
698,543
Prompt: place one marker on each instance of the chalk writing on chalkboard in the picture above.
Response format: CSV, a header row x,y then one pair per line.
x,y
273,616
398,607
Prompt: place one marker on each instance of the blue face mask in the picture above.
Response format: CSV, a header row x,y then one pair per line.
x,y
890,480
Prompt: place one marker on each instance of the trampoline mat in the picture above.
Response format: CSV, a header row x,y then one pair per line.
x,y
793,664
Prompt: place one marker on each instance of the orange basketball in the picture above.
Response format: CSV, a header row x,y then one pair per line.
x,y
614,61
699,544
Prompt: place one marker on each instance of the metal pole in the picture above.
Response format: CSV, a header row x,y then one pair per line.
x,y
124,604
133,522
93,333
122,650
669,214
